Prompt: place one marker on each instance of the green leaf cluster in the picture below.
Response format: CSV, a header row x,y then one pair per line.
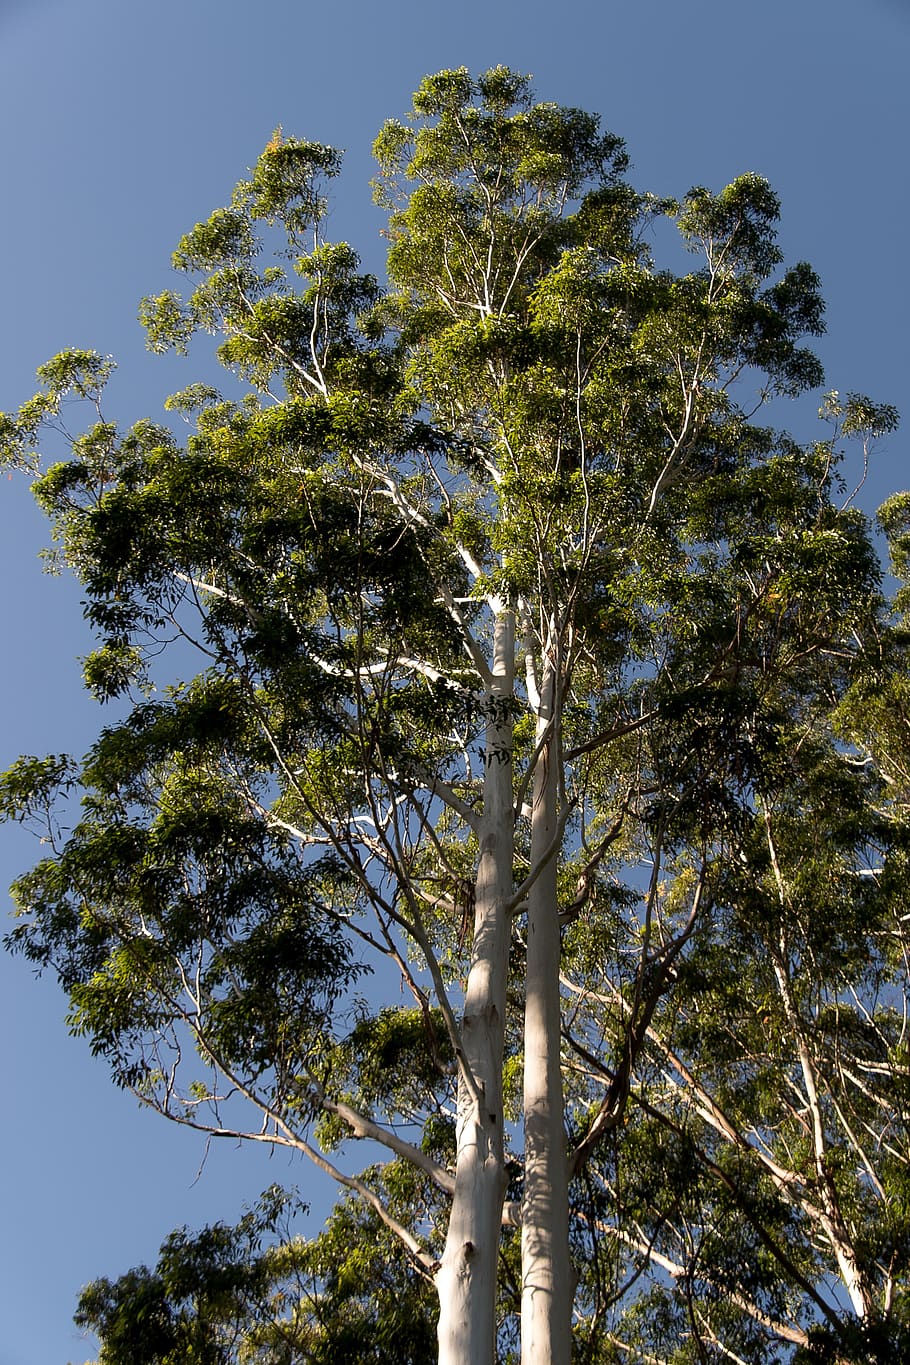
x,y
539,434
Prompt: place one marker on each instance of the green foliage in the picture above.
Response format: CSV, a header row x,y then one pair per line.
x,y
255,1292
872,1344
535,421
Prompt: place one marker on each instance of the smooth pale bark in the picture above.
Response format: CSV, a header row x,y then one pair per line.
x,y
831,1218
467,1278
546,1280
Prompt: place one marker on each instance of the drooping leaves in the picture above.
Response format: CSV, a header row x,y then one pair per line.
x,y
535,421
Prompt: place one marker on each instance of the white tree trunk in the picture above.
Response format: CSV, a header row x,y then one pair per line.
x,y
467,1277
546,1304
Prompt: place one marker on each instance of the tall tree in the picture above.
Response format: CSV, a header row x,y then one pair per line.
x,y
517,638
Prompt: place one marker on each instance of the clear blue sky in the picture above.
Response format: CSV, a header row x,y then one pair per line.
x,y
121,125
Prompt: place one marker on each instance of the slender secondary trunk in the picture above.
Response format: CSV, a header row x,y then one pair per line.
x,y
546,1302
833,1224
467,1277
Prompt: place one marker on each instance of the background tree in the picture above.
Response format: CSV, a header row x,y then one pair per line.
x,y
772,1087
254,1292
519,645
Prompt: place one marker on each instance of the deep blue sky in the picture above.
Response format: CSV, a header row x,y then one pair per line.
x,y
123,124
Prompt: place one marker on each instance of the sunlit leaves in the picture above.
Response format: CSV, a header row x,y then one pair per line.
x,y
535,422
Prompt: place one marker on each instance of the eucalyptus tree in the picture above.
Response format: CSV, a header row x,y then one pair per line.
x,y
255,1292
763,1166
504,607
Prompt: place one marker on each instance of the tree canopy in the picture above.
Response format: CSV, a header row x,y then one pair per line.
x,y
536,806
